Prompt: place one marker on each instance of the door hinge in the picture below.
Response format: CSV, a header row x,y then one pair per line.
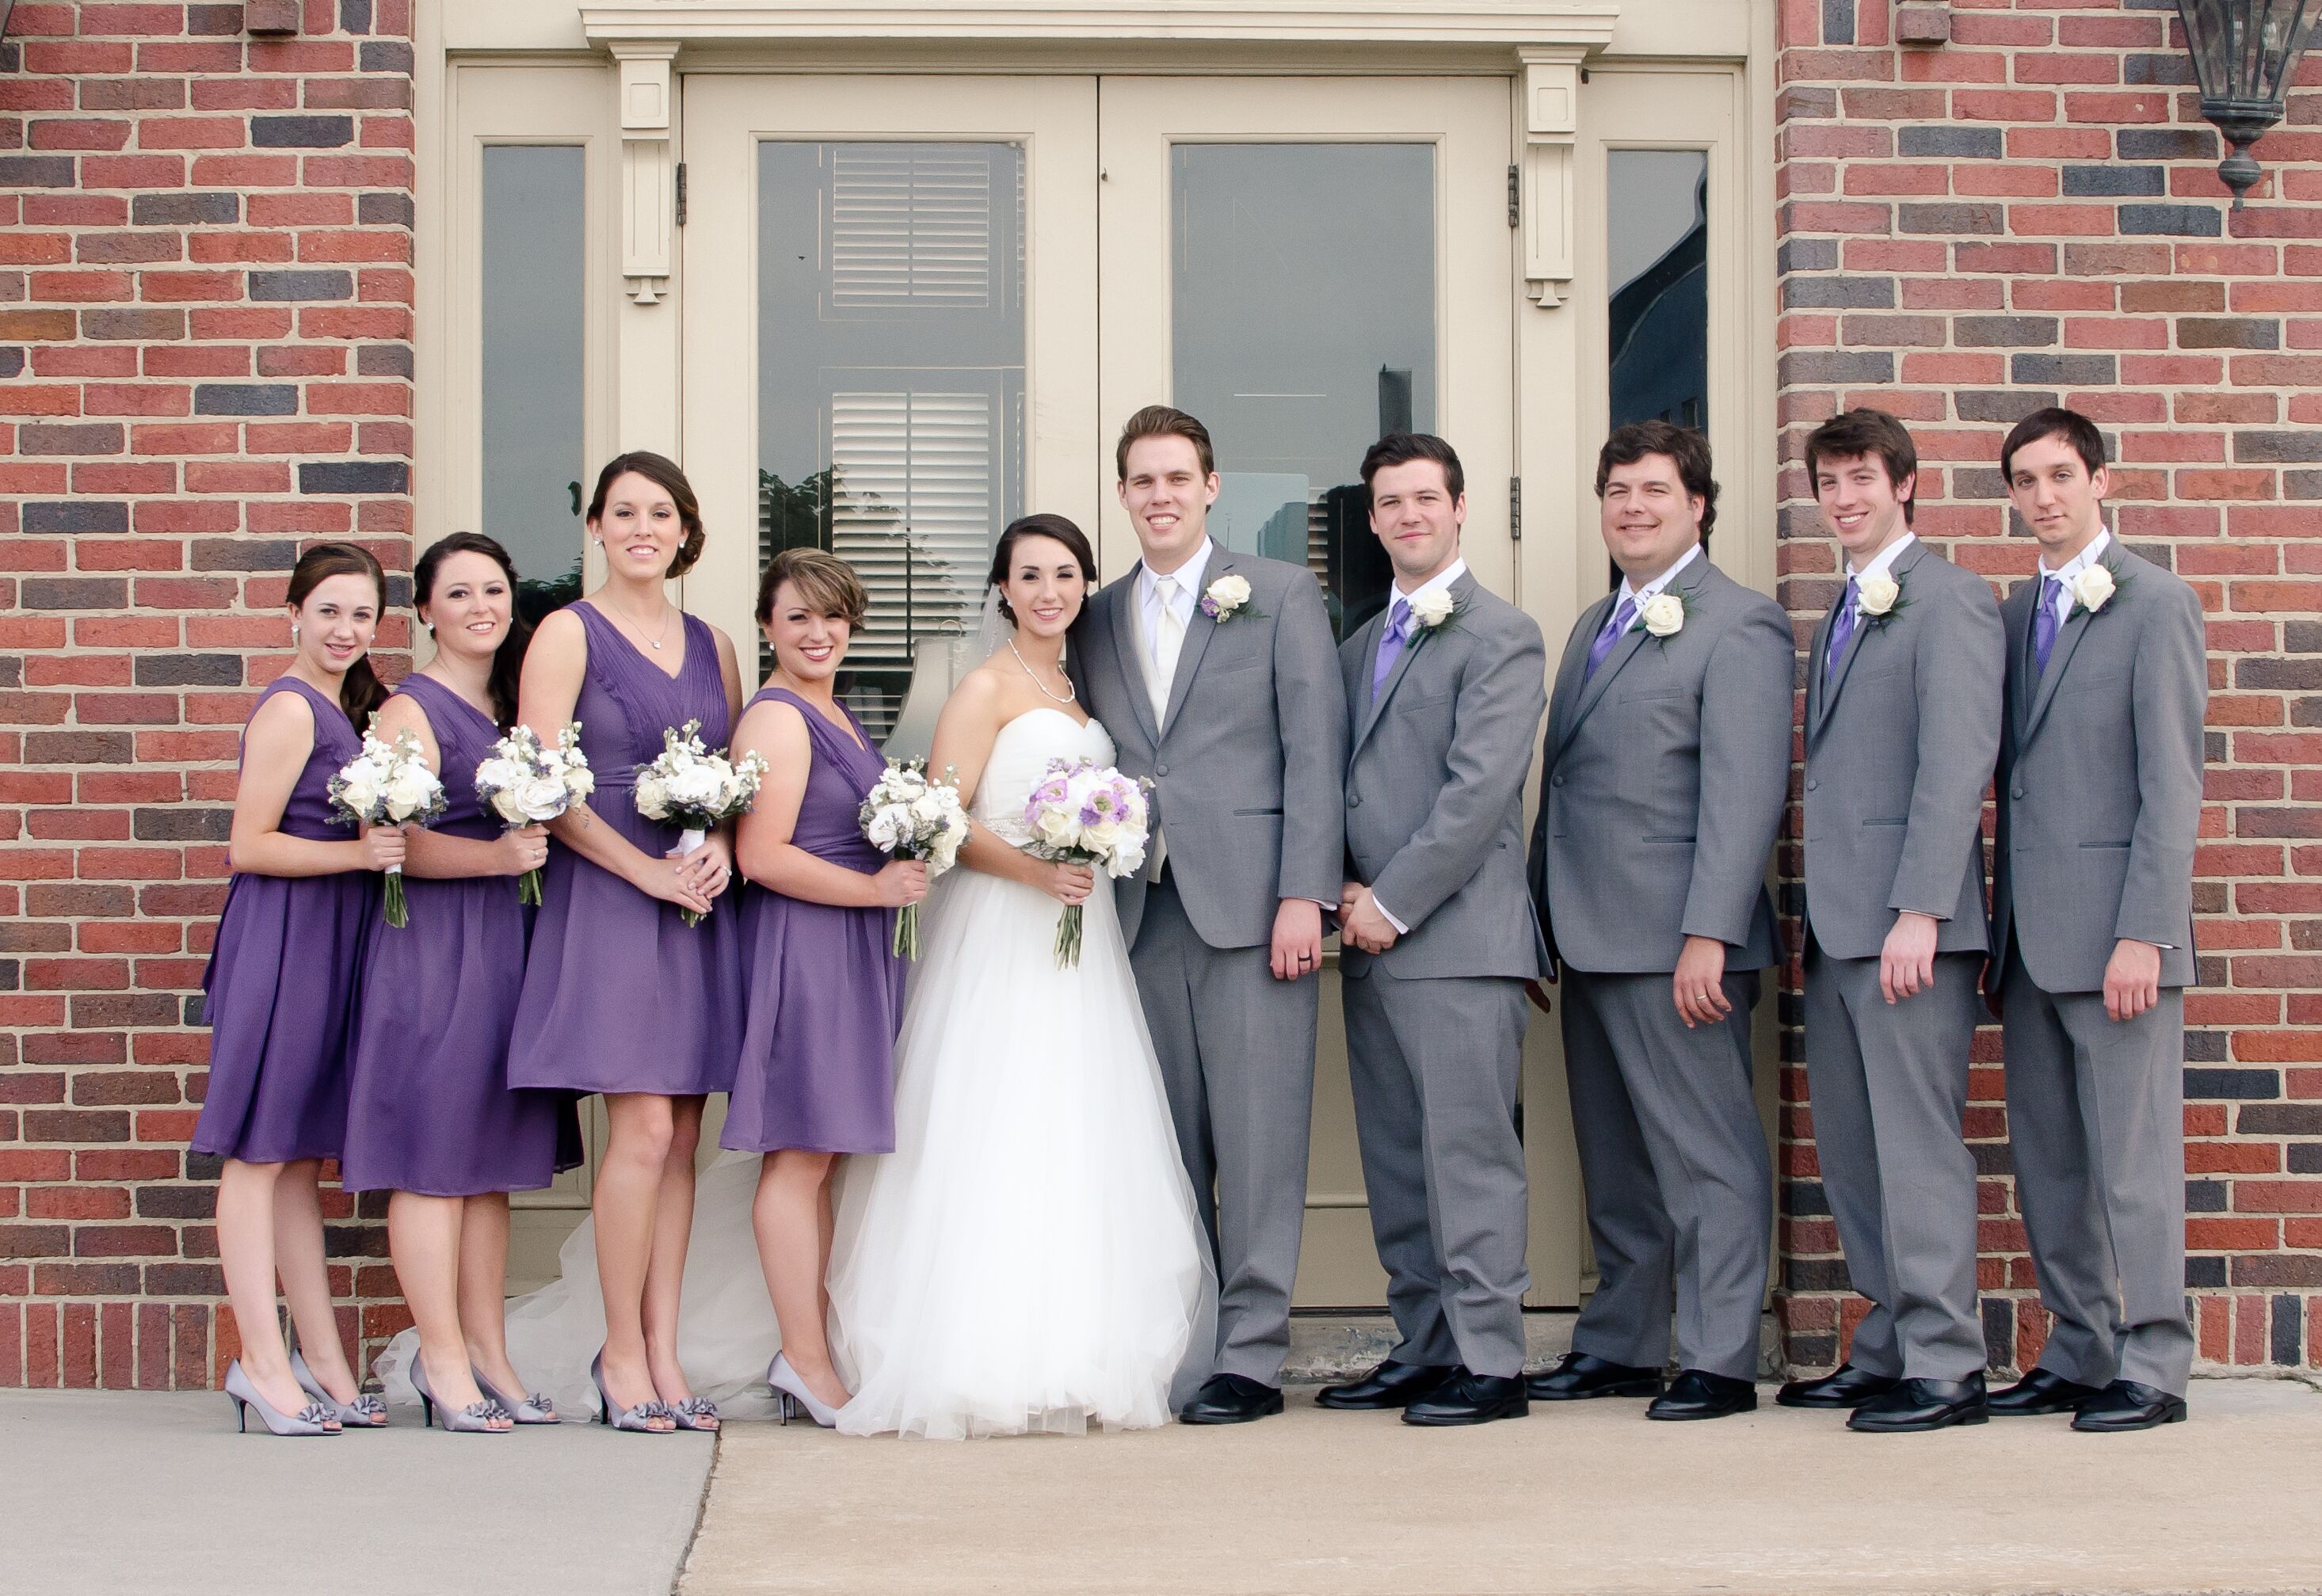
x,y
680,194
1515,197
1515,509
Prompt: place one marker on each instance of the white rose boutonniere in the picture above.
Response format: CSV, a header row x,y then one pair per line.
x,y
1431,610
1880,595
2092,590
1662,615
1227,598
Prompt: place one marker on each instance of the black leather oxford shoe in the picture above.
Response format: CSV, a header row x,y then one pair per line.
x,y
1470,1399
2039,1392
1696,1393
1390,1385
1231,1399
1847,1387
1922,1404
2128,1405
1578,1375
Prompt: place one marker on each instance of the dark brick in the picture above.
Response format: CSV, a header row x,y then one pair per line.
x,y
386,210
177,1202
74,593
2208,1047
185,210
2258,672
2166,143
89,437
302,285
2304,1158
2141,69
2233,1083
1804,1199
2004,332
2288,1341
1951,220
301,132
2065,371
185,1280
244,554
12,362
36,171
2301,485
2172,220
1855,293
354,17
2116,179
2277,447
383,359
1802,368
2207,1197
1979,143
178,824
1806,254
354,476
213,21
77,747
1992,1158
386,55
1999,1332
1838,22
1816,1275
77,515
2229,333
2277,1269
2204,1273
245,399
189,671
191,1014
2276,1119
140,325
2301,637
2008,405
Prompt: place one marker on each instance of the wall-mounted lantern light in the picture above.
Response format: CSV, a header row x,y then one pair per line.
x,y
2245,53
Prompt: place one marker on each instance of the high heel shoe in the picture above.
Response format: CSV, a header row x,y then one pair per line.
x,y
313,1419
695,1413
365,1412
476,1418
536,1408
785,1382
639,1418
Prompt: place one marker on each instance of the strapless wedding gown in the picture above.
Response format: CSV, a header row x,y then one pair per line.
x,y
1027,1259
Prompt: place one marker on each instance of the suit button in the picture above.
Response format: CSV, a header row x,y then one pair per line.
x,y
1160,770
1354,800
2015,792
1555,780
1812,784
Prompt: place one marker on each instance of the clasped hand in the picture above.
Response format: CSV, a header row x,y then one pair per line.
x,y
1361,924
692,881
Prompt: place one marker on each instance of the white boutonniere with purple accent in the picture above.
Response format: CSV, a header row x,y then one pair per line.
x,y
1228,598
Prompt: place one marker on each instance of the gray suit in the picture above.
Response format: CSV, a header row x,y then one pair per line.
x,y
1900,739
1435,1025
1245,765
2099,803
1663,785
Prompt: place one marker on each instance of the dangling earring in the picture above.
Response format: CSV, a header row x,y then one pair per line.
x,y
294,631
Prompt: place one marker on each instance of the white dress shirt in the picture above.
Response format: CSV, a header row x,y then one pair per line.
x,y
1881,564
1654,586
1440,582
2071,571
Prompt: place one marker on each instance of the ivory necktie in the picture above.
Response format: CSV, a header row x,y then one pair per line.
x,y
1168,643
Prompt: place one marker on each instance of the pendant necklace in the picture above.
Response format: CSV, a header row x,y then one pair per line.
x,y
1071,693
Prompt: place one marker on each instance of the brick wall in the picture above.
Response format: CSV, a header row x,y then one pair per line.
x,y
205,362
2029,216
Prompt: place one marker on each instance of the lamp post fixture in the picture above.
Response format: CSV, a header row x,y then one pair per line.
x,y
2245,53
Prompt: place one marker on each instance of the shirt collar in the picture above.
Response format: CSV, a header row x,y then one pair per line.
x,y
2081,560
1641,594
1885,559
1439,583
1187,576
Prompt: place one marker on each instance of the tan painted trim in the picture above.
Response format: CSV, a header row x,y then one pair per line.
x,y
1383,21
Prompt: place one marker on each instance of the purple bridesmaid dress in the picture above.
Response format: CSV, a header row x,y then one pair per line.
x,y
826,991
429,1108
281,979
621,995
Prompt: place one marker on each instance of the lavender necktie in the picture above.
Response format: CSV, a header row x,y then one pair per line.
x,y
1620,621
1841,633
2044,621
1398,623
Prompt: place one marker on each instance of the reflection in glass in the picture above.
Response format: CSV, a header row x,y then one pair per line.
x,y
535,204
891,389
1302,318
1658,244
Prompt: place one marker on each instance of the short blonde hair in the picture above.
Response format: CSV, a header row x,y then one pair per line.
x,y
825,582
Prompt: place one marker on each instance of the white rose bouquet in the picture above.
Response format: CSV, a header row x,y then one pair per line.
x,y
910,815
696,790
525,782
388,785
1088,813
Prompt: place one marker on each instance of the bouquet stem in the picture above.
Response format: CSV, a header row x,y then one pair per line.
x,y
398,912
688,841
528,887
906,932
1068,937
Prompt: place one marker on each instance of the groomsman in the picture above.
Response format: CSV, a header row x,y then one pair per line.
x,y
1902,684
2092,935
1667,765
1444,697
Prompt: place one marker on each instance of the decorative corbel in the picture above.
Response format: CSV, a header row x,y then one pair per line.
x,y
648,166
1551,124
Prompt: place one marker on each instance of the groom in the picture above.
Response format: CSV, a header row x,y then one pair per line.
x,y
1216,674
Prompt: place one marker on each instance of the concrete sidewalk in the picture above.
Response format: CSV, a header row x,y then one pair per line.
x,y
127,1493
1587,1499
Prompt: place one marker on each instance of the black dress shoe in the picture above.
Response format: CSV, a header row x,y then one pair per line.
x,y
1471,1399
1580,1374
1231,1399
1696,1393
1922,1404
2128,1405
2039,1392
1848,1387
1390,1385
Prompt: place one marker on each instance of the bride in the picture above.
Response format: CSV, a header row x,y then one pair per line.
x,y
1029,1258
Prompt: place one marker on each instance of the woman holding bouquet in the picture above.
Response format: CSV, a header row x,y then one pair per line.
x,y
301,908
826,990
430,1115
620,995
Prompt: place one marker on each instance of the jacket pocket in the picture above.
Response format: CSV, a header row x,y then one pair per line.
x,y
1275,810
2103,845
1898,820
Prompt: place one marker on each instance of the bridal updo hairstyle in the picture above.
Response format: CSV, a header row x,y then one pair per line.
x,y
661,469
508,661
361,691
1048,526
827,584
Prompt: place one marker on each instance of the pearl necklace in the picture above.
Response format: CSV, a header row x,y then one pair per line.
x,y
1071,693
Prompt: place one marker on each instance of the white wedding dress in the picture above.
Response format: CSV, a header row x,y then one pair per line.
x,y
1028,1260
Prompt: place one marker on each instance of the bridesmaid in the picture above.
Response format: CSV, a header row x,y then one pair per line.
x,y
430,1116
826,992
620,995
281,981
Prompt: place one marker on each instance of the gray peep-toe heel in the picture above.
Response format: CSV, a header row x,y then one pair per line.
x,y
475,1418
313,1419
535,1408
366,1412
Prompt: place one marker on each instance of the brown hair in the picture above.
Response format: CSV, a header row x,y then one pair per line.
x,y
827,584
660,469
1159,420
1400,449
1690,450
1048,526
2055,421
1865,434
507,659
361,691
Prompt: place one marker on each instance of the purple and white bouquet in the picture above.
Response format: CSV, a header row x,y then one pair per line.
x,y
1085,813
696,790
388,785
910,815
525,782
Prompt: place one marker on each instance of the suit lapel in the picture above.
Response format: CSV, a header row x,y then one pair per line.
x,y
2016,620
1814,652
1419,639
1129,650
1197,636
1687,584
1864,627
1567,695
2059,657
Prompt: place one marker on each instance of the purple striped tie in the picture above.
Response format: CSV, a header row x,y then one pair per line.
x,y
1841,632
2043,621
1398,623
1620,621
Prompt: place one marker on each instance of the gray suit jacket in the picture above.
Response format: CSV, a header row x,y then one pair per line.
x,y
1663,784
1245,766
1899,749
1435,788
2100,781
